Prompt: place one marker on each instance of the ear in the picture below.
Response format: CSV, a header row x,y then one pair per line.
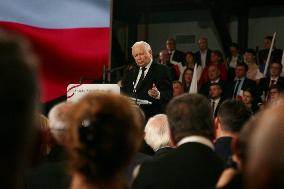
x,y
173,140
216,123
150,51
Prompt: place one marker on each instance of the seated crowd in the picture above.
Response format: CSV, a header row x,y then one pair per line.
x,y
206,140
239,76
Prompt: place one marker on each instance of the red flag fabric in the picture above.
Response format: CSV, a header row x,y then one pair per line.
x,y
70,46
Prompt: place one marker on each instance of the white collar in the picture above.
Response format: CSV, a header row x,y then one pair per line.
x,y
198,139
216,100
216,81
148,65
275,78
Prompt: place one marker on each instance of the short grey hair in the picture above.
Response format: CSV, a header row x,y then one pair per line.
x,y
157,132
58,120
142,43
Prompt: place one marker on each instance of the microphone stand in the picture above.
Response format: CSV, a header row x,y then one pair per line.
x,y
135,93
110,71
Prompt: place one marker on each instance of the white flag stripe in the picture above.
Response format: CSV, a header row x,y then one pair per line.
x,y
269,55
282,62
57,13
193,85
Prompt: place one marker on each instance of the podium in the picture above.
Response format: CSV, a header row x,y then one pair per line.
x,y
77,91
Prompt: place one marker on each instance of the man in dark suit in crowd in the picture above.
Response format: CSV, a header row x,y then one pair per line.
x,y
274,78
18,99
214,77
232,61
276,54
230,119
193,164
203,55
215,97
241,82
148,81
164,57
175,55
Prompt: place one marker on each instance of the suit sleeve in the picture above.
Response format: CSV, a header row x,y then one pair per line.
x,y
164,84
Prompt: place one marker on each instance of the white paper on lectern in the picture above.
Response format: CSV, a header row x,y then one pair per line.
x,y
140,101
77,91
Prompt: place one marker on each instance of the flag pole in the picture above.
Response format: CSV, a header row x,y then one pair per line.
x,y
193,85
269,55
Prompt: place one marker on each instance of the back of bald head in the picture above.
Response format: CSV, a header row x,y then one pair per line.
x,y
265,150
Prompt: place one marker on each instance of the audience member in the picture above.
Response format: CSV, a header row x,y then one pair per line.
x,y
253,72
265,162
186,79
241,82
193,164
157,135
105,133
176,56
274,77
215,97
276,54
53,172
215,59
145,152
164,57
275,91
250,100
203,54
214,77
177,88
234,58
233,176
43,141
230,119
18,99
190,63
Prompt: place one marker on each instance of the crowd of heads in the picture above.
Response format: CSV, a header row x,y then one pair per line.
x,y
102,132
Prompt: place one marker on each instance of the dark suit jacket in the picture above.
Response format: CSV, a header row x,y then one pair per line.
x,y
179,57
223,147
53,175
218,106
191,165
246,84
198,57
276,55
205,87
136,160
162,152
159,75
263,85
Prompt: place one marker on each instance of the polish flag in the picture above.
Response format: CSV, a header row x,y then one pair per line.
x,y
71,38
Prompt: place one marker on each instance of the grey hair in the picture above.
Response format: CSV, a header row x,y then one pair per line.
x,y
142,43
157,132
58,120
